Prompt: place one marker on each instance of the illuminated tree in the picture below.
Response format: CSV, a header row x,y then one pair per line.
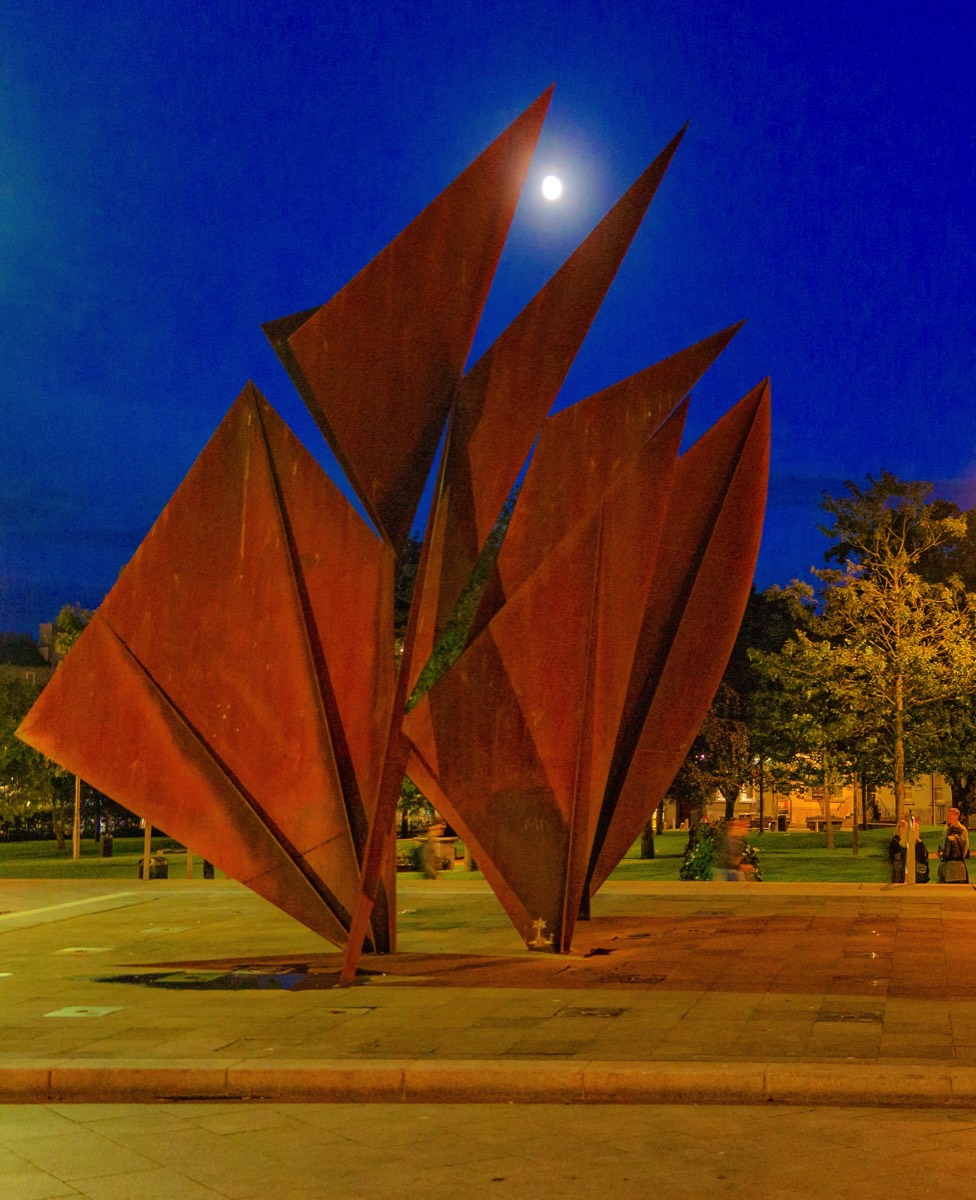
x,y
885,645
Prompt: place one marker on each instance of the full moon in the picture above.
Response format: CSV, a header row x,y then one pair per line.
x,y
552,187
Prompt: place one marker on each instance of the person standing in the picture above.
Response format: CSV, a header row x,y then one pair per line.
x,y
898,852
955,826
953,850
921,859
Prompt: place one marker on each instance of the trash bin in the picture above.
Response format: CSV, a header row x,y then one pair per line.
x,y
106,845
781,821
158,867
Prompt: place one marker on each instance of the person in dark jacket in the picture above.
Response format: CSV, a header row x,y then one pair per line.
x,y
898,852
921,860
954,849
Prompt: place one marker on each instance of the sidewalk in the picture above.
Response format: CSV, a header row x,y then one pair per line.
x,y
686,993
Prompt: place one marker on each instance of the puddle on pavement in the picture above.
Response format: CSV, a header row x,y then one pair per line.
x,y
294,979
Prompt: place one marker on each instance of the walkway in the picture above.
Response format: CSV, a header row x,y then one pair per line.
x,y
720,992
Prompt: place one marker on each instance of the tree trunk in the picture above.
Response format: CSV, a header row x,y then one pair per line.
x,y
899,748
963,788
854,831
76,821
827,794
761,798
647,840
57,819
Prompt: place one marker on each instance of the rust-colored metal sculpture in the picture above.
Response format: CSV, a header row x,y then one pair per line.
x,y
379,364
237,686
233,686
502,403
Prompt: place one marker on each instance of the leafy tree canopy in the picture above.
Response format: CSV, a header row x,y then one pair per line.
x,y
884,645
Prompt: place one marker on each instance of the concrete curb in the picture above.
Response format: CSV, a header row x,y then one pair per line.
x,y
431,1081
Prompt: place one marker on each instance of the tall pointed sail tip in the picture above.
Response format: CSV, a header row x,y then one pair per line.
x,y
723,337
669,150
281,328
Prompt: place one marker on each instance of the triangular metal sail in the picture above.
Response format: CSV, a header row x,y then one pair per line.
x,y
516,747
502,731
579,450
104,718
503,400
229,617
707,559
378,364
345,582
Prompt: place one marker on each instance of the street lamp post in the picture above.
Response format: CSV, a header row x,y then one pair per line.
x,y
76,825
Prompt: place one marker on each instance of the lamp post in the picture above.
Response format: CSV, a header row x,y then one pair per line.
x,y
76,824
146,849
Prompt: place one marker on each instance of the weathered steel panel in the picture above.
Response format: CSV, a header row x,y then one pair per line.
x,y
345,579
104,718
503,733
579,450
707,559
503,400
379,363
518,744
236,608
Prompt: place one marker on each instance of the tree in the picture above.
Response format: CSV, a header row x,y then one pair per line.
x,y
69,625
724,746
413,805
736,740
771,618
693,786
406,574
29,782
885,644
908,640
949,734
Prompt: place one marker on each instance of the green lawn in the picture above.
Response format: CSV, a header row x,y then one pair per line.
x,y
784,858
787,857
43,860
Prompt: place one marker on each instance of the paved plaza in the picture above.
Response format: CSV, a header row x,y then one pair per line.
x,y
185,1039
711,992
261,1151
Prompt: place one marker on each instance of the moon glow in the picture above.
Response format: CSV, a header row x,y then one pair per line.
x,y
552,187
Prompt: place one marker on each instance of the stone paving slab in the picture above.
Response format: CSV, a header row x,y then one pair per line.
x,y
714,993
295,1151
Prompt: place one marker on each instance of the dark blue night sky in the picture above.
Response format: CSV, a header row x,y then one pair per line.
x,y
174,174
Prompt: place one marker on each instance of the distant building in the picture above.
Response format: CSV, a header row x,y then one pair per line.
x,y
20,654
46,643
927,798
